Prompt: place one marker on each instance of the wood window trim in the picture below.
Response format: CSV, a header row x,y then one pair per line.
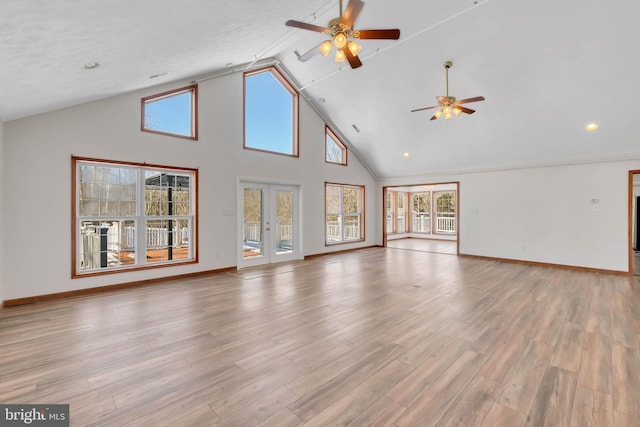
x,y
362,213
75,274
193,89
296,109
328,131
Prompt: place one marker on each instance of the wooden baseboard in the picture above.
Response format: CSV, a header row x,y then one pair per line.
x,y
550,265
110,288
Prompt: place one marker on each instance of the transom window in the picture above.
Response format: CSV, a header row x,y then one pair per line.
x,y
344,213
270,112
172,113
131,216
335,150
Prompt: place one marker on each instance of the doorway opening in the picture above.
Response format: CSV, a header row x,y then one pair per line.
x,y
634,222
422,217
268,223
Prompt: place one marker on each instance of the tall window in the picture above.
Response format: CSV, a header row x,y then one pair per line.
x,y
445,212
270,112
389,211
344,213
131,216
396,212
172,113
421,212
401,219
335,150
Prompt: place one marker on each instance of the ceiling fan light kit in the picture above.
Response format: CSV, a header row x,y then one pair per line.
x,y
342,33
448,105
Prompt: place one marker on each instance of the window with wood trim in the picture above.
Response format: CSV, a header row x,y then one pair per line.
x,y
344,213
270,112
335,150
173,113
129,216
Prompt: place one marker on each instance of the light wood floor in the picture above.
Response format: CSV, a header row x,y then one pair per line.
x,y
635,259
425,245
370,337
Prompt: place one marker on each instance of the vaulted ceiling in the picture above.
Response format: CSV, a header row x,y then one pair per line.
x,y
546,69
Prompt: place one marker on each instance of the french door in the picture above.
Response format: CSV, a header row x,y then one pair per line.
x,y
269,218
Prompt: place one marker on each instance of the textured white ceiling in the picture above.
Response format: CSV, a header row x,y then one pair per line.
x,y
546,68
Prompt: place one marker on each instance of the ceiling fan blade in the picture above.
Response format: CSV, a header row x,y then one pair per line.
x,y
424,108
305,26
465,109
434,117
351,12
309,54
466,101
391,34
354,61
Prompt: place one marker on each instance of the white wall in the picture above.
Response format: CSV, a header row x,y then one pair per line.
x,y
545,214
2,208
38,154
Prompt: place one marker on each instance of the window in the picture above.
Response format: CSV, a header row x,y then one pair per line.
x,y
335,150
344,220
389,204
270,112
445,212
131,216
172,113
421,213
395,211
401,219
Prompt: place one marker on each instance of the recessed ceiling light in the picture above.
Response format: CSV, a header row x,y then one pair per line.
x,y
592,126
91,65
405,155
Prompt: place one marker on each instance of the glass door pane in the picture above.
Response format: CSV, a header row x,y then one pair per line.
x,y
284,222
268,228
252,235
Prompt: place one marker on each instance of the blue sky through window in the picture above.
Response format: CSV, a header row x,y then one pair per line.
x,y
171,114
269,114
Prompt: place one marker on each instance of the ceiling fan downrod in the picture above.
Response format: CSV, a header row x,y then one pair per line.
x,y
447,65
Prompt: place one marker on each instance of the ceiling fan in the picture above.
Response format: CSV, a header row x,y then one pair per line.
x,y
449,104
341,30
